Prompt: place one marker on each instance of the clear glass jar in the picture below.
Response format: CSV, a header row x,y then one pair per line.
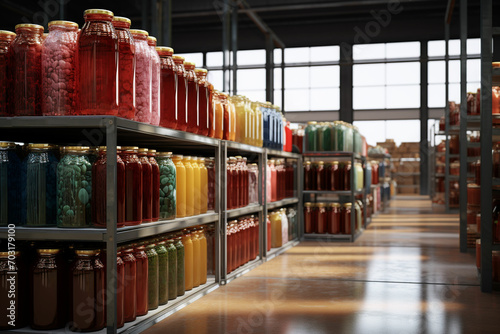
x,y
192,98
321,221
346,218
74,188
120,290
320,176
196,185
309,180
308,218
155,81
203,184
253,183
133,185
25,71
88,284
99,187
182,89
232,188
188,259
97,66
272,180
239,106
147,185
126,70
155,170
143,74
153,277
10,185
19,310
340,130
168,91
203,101
6,38
226,127
167,186
130,282
59,94
142,280
359,174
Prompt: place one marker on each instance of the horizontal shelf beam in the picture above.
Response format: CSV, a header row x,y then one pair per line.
x,y
253,208
283,202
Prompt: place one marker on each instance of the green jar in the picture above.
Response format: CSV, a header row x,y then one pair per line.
x,y
153,276
74,188
167,185
172,269
340,135
358,142
181,289
311,133
349,138
163,268
325,137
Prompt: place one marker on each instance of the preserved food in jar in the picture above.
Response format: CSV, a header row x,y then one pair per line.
x,y
309,181
120,290
346,218
192,98
321,222
227,114
153,277
25,58
133,185
203,255
181,289
142,280
211,183
6,38
182,88
218,115
58,69
203,101
168,88
253,183
189,186
99,190
167,186
88,284
142,76
155,169
188,260
320,176
155,81
126,69
180,186
203,185
311,134
19,298
172,269
39,195
196,258
196,186
276,224
147,185
211,111
74,188
10,181
97,67
130,284
163,268
334,218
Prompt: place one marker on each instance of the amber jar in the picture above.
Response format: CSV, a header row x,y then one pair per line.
x,y
321,222
333,218
308,218
346,217
142,269
129,284
168,90
308,176
19,310
133,185
333,176
321,176
345,176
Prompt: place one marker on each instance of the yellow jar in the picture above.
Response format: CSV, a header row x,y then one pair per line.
x,y
197,185
180,185
276,240
203,185
203,255
196,258
188,260
189,186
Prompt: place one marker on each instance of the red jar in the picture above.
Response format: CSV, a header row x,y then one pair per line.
x,y
133,185
97,68
143,75
120,291
495,100
211,111
211,183
309,176
346,218
6,38
192,98
476,170
58,69
472,104
99,193
478,253
334,218
182,87
129,284
333,176
25,56
345,176
141,259
147,186
155,170
290,180
155,81
308,218
473,194
321,222
375,175
203,101
269,231
226,126
168,88
126,70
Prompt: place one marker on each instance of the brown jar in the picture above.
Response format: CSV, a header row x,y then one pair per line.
x,y
308,176
345,174
333,218
321,176
346,218
308,217
321,222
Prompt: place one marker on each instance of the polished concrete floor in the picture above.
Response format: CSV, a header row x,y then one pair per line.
x,y
405,274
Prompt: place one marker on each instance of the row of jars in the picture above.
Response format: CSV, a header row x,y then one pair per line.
x,y
282,227
242,242
332,176
332,218
150,273
298,138
67,187
280,180
336,136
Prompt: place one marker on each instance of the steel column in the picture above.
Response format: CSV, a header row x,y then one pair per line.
x,y
283,80
234,46
154,18
424,118
269,68
463,126
145,15
346,112
166,23
223,209
447,119
226,40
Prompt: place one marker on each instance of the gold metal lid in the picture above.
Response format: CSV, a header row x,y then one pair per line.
x,y
178,58
194,158
334,205
39,146
189,63
139,32
6,254
50,251
164,49
321,162
164,154
87,252
75,148
64,23
347,205
152,38
98,11
200,70
312,122
308,204
30,26
143,150
152,151
122,19
130,148
473,185
178,156
187,157
7,144
321,205
6,32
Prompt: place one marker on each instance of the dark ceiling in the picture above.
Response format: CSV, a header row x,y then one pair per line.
x,y
197,24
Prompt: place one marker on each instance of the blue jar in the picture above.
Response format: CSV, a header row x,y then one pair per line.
x,y
10,185
266,124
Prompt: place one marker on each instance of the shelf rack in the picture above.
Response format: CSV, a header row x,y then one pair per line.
x,y
110,131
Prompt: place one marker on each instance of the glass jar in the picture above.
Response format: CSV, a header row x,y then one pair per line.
x,y
218,115
321,221
147,185
172,269
476,170
58,63
211,183
346,218
292,221
188,260
168,88
324,137
129,284
259,123
320,176
153,277
13,262
99,193
74,188
239,106
359,174
357,141
155,170
48,286
196,257
226,116
6,38
126,69
375,172
232,124
40,187
288,137
97,64
210,235
192,98
290,179
180,186
10,185
229,246
142,279
311,134
88,289
239,182
25,56
333,218
232,185
167,187
155,81
133,185
182,88
496,160
203,255
120,290
272,180
253,183
472,108
203,185
333,176
349,138
345,175
203,101
495,99
309,181
276,226
143,76
189,186
181,284
196,185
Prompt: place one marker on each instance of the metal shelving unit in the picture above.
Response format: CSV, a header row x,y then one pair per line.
x,y
384,180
